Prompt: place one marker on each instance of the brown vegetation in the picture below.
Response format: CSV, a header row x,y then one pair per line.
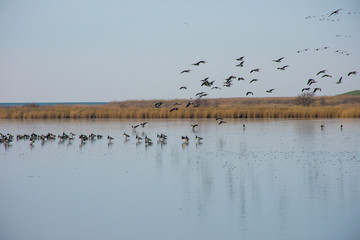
x,y
322,107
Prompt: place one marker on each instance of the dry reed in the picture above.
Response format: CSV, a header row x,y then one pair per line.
x,y
323,107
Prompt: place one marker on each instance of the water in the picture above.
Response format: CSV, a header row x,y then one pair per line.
x,y
275,179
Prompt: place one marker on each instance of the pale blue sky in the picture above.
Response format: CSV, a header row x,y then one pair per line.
x,y
54,51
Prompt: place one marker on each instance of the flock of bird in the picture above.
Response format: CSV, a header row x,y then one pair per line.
x,y
8,138
280,65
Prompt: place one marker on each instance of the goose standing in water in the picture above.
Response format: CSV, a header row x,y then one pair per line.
x,y
110,138
185,139
198,138
126,136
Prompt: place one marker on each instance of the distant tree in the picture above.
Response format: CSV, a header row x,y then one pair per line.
x,y
305,98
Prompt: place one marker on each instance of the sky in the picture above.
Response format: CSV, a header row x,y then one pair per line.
x,y
114,50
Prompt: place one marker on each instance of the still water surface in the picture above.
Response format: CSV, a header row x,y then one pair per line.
x,y
275,179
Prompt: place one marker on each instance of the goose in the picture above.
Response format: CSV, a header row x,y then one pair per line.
x,y
335,12
283,68
241,79
219,118
126,135
215,88
110,138
341,127
270,90
311,81
158,104
183,87
147,140
322,126
241,64
198,138
198,63
185,139
321,72
200,93
240,58
305,89
134,127
99,136
174,109
138,138
229,78
143,124
255,70
254,80
185,71
326,75
340,81
278,60
194,125
221,122
316,89
189,103
248,93
353,72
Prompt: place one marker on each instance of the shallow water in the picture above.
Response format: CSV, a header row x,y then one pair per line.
x,y
275,179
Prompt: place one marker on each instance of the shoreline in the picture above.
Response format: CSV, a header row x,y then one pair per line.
x,y
275,107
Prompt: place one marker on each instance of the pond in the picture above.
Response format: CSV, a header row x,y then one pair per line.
x,y
246,179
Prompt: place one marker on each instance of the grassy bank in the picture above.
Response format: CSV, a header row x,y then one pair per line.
x,y
345,106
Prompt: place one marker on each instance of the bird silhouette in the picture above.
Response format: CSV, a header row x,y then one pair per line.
x,y
305,89
255,70
335,12
270,90
339,81
352,73
241,64
248,93
283,68
198,63
278,60
174,109
321,72
311,81
240,58
254,80
326,75
185,71
317,89
183,87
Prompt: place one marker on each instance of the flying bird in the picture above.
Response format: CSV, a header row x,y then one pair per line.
x,y
278,60
320,72
221,122
270,90
241,64
241,78
185,71
335,12
283,68
198,63
305,89
340,81
174,109
311,81
248,93
255,70
353,72
326,75
240,58
183,87
254,80
215,88
316,89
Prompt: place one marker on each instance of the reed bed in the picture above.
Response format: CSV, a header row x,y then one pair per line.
x,y
323,107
